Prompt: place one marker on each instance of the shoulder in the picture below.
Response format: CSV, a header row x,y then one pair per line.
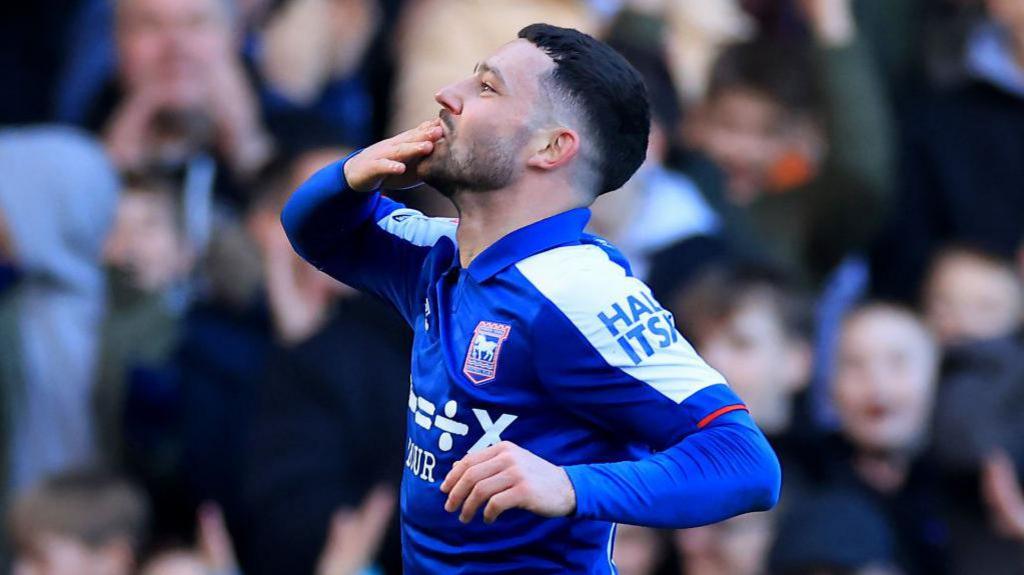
x,y
412,226
591,286
587,272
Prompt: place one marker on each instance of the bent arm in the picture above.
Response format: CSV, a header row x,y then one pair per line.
x,y
723,470
362,239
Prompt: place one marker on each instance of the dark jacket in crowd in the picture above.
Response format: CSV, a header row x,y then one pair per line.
x,y
962,180
328,423
978,409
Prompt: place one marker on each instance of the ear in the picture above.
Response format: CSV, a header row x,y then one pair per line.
x,y
554,148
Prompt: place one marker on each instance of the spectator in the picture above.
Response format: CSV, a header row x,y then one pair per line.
x,y
962,179
150,260
971,294
754,326
309,56
977,414
333,391
181,92
78,523
57,198
803,141
884,386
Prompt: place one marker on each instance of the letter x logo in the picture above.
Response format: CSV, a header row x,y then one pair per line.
x,y
492,430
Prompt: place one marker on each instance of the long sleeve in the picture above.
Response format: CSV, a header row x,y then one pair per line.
x,y
848,201
362,239
607,352
723,470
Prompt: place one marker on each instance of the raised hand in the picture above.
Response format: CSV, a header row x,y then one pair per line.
x,y
391,163
505,476
356,536
1001,491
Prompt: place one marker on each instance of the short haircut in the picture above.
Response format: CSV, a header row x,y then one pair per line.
x,y
88,505
721,291
780,71
890,307
163,186
974,251
608,95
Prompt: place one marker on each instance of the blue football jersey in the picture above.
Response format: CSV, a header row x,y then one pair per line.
x,y
545,340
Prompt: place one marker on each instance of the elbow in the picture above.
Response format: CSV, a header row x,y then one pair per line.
x,y
768,483
291,221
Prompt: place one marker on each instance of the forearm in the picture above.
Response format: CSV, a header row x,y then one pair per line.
x,y
322,210
720,471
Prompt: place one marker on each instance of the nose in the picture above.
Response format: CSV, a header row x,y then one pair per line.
x,y
449,99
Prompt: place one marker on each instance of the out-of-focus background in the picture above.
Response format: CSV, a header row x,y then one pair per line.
x,y
832,206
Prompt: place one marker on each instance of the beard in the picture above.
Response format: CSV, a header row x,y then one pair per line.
x,y
489,163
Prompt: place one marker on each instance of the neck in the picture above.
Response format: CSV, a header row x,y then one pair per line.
x,y
485,218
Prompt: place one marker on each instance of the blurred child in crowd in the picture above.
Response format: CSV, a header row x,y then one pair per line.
x,y
78,523
753,324
884,389
149,260
971,294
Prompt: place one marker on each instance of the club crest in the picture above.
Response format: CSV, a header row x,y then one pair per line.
x,y
482,356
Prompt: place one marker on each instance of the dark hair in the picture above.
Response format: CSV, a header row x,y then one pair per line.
x,y
781,71
610,93
719,292
161,185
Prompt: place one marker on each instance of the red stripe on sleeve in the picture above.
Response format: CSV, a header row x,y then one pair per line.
x,y
721,411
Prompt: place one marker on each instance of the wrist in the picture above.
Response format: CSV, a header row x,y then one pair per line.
x,y
569,502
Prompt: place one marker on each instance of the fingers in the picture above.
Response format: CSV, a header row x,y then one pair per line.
x,y
465,463
214,539
483,491
409,150
376,510
500,503
429,130
468,480
385,166
1001,491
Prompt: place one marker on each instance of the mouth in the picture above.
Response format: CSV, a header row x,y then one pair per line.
x,y
446,123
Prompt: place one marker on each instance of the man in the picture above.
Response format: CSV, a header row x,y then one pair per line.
x,y
549,389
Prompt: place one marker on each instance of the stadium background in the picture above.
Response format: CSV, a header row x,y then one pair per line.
x,y
832,207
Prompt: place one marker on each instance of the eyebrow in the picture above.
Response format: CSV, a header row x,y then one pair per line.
x,y
484,67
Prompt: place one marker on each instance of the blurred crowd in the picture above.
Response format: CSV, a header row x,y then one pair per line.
x,y
832,206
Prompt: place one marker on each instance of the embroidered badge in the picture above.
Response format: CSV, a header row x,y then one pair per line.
x,y
482,356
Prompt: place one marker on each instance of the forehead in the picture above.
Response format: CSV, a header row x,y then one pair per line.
x,y
132,8
521,64
885,330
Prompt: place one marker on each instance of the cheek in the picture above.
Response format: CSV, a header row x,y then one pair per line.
x,y
140,53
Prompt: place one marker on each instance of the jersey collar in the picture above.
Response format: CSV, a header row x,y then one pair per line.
x,y
559,229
